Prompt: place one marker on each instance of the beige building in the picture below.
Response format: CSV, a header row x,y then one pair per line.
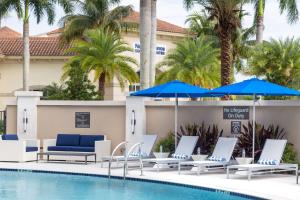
x,y
48,57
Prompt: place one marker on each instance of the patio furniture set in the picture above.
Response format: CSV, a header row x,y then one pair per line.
x,y
76,147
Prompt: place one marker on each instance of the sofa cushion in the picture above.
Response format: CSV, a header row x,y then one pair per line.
x,y
31,149
89,140
67,140
10,137
71,148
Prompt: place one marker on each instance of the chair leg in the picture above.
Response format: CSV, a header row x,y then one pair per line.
x,y
297,174
249,175
227,176
198,170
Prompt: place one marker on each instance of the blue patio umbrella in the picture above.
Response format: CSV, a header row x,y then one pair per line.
x,y
255,87
174,89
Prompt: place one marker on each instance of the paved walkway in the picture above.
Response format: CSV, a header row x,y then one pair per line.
x,y
274,186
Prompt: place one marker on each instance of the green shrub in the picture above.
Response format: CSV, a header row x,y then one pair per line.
x,y
1,127
167,143
290,154
262,133
208,136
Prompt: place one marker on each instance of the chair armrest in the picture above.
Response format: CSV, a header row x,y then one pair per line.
x,y
102,149
12,145
32,143
47,143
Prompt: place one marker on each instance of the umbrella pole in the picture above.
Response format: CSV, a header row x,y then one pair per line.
x,y
176,112
253,128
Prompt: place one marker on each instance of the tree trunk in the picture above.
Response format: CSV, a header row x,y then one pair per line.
x,y
259,29
101,86
153,42
26,50
260,21
145,33
225,41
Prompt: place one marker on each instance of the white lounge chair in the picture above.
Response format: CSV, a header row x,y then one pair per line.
x,y
269,161
220,157
182,153
134,152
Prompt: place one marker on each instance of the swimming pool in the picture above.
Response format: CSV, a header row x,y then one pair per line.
x,y
31,186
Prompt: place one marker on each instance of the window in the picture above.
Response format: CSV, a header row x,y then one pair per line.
x,y
160,49
137,48
134,87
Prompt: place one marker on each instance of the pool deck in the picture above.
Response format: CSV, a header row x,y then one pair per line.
x,y
273,186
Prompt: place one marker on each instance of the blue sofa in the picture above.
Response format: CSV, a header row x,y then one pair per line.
x,y
75,142
78,143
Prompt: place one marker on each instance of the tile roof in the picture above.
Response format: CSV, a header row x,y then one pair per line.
x,y
11,43
8,33
39,46
134,17
55,32
162,26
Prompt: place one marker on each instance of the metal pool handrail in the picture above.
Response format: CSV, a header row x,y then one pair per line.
x,y
139,145
112,156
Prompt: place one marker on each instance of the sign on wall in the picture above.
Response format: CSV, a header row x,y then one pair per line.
x,y
160,49
236,112
236,127
82,119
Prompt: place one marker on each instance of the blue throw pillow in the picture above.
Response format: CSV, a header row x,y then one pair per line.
x,y
180,156
10,137
268,162
89,140
67,140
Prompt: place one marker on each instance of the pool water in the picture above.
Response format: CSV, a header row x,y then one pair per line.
x,y
44,186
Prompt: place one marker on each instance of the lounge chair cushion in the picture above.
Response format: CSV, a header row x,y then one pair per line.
x,y
89,140
137,154
10,137
268,162
31,149
180,156
215,158
71,148
67,140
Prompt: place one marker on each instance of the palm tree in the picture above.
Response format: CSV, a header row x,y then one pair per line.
x,y
226,14
145,40
40,8
199,23
285,6
277,61
93,14
102,52
2,16
153,43
192,61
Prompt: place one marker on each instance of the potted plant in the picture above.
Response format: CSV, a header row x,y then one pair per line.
x,y
165,146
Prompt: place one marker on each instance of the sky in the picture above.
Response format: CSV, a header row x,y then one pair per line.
x,y
173,11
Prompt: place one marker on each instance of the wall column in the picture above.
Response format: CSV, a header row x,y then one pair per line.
x,y
135,119
27,113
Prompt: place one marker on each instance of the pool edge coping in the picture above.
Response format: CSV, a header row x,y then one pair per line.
x,y
224,191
